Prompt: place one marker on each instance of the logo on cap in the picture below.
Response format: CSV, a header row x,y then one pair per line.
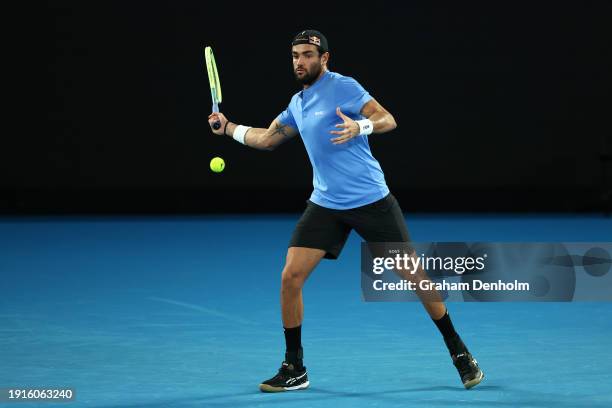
x,y
314,40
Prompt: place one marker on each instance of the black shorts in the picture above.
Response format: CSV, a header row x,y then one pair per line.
x,y
327,229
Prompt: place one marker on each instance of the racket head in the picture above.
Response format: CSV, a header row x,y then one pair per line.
x,y
213,76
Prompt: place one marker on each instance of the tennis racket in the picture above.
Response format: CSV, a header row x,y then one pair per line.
x,y
215,85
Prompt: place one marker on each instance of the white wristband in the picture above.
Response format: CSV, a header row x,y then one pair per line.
x,y
240,132
366,127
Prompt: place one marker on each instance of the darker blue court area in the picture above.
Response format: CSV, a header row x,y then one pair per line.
x,y
184,312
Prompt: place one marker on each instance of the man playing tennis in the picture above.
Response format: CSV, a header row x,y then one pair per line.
x,y
334,116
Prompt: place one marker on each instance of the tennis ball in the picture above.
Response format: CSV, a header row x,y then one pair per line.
x,y
217,164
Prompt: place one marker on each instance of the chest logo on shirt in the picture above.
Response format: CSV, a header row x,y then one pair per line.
x,y
319,113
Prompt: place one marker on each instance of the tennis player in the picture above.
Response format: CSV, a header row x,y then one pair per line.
x,y
334,115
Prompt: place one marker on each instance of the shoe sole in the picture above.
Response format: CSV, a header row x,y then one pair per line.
x,y
269,388
475,381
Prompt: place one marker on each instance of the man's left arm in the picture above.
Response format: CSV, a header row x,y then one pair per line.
x,y
381,121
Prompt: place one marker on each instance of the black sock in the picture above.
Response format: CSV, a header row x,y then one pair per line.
x,y
446,327
451,338
293,338
293,341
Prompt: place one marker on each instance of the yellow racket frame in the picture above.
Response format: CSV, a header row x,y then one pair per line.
x,y
213,78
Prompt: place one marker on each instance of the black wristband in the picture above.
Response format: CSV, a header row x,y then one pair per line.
x,y
225,127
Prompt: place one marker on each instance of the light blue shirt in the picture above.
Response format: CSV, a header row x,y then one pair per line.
x,y
346,175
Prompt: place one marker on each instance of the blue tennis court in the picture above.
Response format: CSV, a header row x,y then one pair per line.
x,y
184,312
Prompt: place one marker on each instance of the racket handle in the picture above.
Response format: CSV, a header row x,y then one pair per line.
x,y
216,125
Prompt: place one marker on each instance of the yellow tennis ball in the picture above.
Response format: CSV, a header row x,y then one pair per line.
x,y
217,164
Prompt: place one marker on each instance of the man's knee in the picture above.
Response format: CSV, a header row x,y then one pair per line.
x,y
294,276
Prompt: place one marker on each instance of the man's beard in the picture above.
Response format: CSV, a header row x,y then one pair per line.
x,y
309,76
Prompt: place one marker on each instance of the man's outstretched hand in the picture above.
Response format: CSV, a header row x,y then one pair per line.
x,y
349,129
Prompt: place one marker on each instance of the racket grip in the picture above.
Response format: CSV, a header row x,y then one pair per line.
x,y
216,125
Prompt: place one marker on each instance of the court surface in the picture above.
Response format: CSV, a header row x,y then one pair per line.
x,y
184,312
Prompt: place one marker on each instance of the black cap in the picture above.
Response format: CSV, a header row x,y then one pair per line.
x,y
313,37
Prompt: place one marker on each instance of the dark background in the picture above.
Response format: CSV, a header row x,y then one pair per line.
x,y
501,106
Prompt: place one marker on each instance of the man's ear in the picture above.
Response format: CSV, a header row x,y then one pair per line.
x,y
325,58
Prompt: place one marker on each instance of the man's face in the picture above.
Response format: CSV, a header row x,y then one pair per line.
x,y
307,63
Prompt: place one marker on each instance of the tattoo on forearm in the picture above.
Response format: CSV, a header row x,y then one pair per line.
x,y
280,129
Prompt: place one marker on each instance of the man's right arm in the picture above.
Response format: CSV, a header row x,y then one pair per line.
x,y
258,138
